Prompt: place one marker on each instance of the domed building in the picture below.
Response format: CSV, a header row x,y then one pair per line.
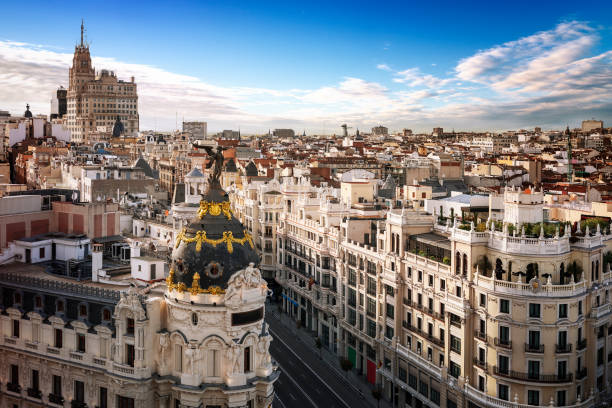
x,y
215,340
194,337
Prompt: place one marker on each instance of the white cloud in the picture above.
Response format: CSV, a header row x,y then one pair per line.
x,y
548,79
414,77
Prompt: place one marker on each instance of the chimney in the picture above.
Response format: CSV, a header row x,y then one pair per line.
x,y
132,79
96,261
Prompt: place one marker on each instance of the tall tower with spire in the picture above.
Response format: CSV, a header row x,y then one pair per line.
x,y
96,101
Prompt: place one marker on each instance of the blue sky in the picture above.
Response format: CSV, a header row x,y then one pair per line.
x,y
314,65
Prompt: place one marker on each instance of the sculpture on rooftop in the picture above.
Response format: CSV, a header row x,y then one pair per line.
x,y
215,161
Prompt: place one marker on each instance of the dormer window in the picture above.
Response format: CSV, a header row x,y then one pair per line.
x,y
106,315
82,310
17,299
59,306
38,302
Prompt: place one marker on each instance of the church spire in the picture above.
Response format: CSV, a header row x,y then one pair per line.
x,y
82,28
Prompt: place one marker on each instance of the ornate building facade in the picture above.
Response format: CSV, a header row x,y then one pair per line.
x,y
97,100
441,313
194,339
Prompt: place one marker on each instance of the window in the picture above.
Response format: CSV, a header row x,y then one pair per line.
x,y
458,291
38,302
125,402
502,392
247,359
390,310
80,342
534,310
41,253
580,308
423,388
533,397
371,307
533,369
83,310
213,363
442,284
14,374
106,315
389,332
35,384
455,369
503,364
57,386
563,311
483,299
431,281
129,330
504,306
16,328
58,338
561,399
59,307
129,354
103,398
79,391
371,328
455,344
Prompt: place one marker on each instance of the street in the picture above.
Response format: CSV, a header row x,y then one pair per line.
x,y
306,381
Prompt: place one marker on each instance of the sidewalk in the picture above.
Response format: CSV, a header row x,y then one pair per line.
x,y
351,379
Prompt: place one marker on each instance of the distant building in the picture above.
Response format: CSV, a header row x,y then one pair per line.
x,y
380,131
438,132
230,134
592,124
284,133
197,129
96,101
537,129
59,103
407,132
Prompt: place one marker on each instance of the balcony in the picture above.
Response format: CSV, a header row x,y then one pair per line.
x,y
56,399
407,302
563,348
456,323
480,335
77,404
537,377
534,348
481,363
581,344
505,343
32,393
16,388
431,338
582,373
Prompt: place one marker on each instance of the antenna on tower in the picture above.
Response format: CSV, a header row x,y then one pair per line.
x,y
82,29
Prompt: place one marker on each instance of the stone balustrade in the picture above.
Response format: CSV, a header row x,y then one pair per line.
x,y
526,289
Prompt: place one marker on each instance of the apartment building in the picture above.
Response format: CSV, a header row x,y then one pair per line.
x,y
447,313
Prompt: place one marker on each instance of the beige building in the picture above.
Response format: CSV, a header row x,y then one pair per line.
x,y
592,124
446,314
97,100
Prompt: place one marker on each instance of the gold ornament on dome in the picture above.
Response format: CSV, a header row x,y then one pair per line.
x,y
227,238
215,209
215,290
195,288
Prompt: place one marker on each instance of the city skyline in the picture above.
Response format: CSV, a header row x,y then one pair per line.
x,y
551,72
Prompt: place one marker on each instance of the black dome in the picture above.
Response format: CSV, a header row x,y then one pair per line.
x,y
214,246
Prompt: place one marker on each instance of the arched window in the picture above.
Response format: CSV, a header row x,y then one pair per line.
x,y
592,270
465,265
509,271
597,269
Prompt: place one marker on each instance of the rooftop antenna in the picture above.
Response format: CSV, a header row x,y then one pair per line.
x,y
82,29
